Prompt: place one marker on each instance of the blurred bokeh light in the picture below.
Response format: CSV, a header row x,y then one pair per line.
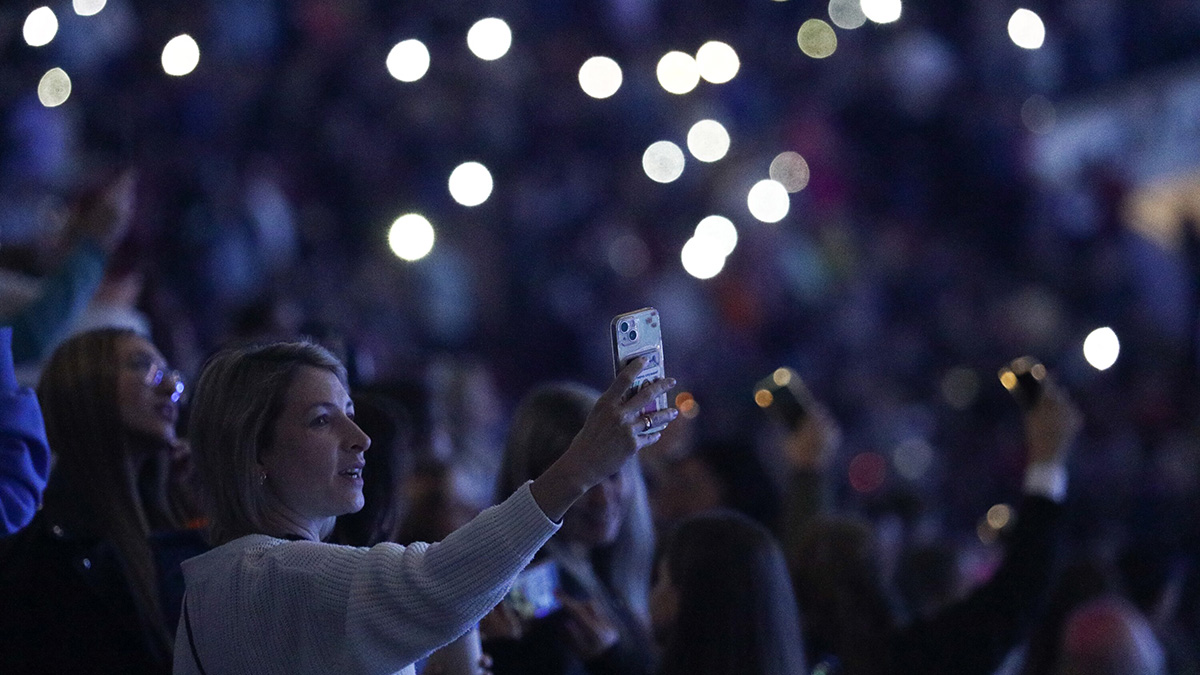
x,y
846,14
600,77
663,161
790,170
720,232
1101,348
881,11
678,73
717,62
768,201
817,39
1026,29
54,88
702,258
1038,115
408,61
470,184
40,27
708,141
868,472
88,7
913,458
180,56
489,39
411,237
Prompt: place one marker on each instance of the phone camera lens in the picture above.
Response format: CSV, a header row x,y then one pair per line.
x,y
624,326
633,335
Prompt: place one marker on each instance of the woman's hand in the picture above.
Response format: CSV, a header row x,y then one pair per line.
x,y
611,435
591,629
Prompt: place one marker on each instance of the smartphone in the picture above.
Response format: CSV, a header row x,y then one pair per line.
x,y
1022,377
634,334
535,592
783,395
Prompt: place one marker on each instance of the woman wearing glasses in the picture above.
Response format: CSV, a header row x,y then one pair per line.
x,y
93,584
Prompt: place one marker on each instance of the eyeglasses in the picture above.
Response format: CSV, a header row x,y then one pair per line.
x,y
153,376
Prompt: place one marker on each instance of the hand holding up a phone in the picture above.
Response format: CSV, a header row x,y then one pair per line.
x,y
613,432
1051,425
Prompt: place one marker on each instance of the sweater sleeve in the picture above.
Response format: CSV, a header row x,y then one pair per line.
x,y
973,636
425,596
65,295
24,452
263,605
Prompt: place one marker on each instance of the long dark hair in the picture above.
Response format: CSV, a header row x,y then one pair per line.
x,y
93,482
840,589
737,614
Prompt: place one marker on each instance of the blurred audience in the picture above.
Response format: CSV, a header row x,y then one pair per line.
x,y
853,620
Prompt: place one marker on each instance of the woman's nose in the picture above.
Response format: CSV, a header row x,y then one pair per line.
x,y
359,440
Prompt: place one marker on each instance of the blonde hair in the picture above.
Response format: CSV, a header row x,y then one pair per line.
x,y
545,423
236,403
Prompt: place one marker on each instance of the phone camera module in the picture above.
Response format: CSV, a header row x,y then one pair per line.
x,y
633,335
624,326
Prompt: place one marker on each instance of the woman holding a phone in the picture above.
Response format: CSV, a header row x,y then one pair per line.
x,y
281,457
602,556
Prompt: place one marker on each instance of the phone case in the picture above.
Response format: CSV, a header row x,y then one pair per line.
x,y
636,334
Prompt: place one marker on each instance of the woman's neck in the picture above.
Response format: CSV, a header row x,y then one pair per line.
x,y
281,521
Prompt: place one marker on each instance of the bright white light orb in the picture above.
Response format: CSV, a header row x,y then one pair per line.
x,y
881,11
678,72
663,161
719,232
1026,29
180,56
600,77
717,62
54,88
1101,348
40,27
768,201
846,14
470,184
790,170
88,7
489,39
702,258
708,141
408,61
411,237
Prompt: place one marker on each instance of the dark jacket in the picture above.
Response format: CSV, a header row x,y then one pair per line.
x,y
67,607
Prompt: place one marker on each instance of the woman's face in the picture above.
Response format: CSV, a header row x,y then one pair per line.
x,y
147,392
595,520
314,465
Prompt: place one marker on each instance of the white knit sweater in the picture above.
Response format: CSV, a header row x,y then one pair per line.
x,y
262,605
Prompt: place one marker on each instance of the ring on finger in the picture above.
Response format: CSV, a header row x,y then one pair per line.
x,y
648,421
